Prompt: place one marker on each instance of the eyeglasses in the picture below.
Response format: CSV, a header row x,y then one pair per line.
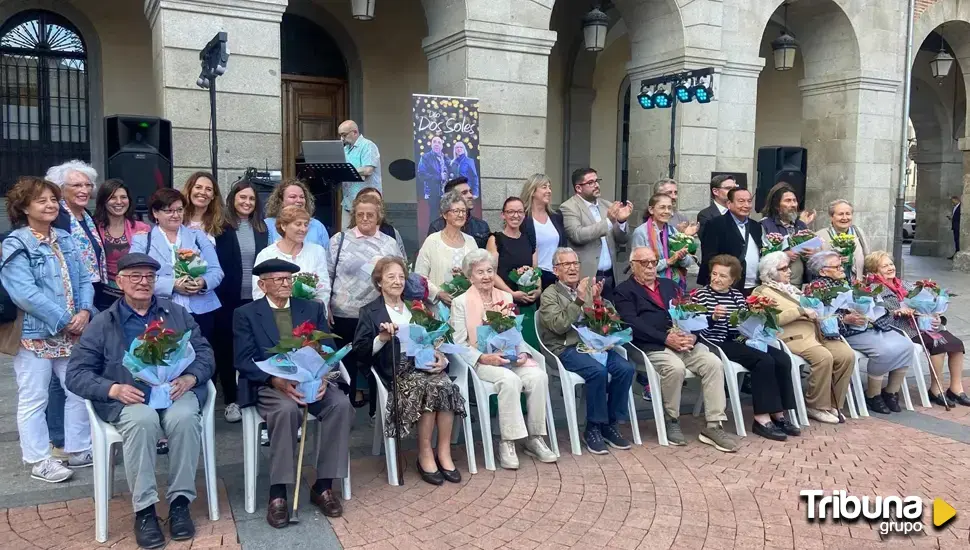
x,y
597,181
279,281
458,212
138,277
365,215
568,265
834,266
81,186
645,263
514,212
172,211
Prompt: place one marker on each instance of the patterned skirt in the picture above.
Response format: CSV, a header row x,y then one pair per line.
x,y
420,392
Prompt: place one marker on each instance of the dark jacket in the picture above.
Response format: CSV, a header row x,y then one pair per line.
x,y
649,321
227,249
63,221
95,363
529,228
706,215
254,332
955,219
371,317
722,236
476,227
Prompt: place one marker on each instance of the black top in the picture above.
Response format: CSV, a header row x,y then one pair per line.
x,y
368,326
512,254
227,249
722,236
529,228
718,331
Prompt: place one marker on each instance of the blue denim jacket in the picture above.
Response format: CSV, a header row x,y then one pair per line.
x,y
34,282
206,300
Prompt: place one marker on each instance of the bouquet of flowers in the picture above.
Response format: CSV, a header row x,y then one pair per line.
x,y
844,244
301,357
680,241
305,285
687,313
501,332
757,322
826,301
189,263
526,278
457,285
157,357
600,330
773,242
927,298
424,335
804,239
865,297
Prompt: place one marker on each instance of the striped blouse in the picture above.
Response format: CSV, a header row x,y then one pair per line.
x,y
719,331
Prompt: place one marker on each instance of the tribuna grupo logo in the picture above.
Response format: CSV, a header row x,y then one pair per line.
x,y
902,515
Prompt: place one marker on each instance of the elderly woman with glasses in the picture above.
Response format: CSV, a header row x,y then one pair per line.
x,y
831,361
888,351
840,212
656,233
441,254
511,380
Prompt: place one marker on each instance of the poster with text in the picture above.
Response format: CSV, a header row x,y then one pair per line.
x,y
445,147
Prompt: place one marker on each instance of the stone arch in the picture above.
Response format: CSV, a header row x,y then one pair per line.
x,y
92,43
658,34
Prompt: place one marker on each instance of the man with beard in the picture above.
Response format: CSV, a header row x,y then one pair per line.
x,y
476,227
781,216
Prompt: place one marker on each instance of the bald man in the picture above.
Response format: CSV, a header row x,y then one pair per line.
x,y
363,154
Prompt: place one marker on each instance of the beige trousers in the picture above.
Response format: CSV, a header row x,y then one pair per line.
x,y
831,371
510,384
672,367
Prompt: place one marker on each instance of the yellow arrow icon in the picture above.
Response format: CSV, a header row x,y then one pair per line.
x,y
942,512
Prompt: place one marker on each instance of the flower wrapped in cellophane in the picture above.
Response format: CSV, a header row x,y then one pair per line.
x,y
844,244
757,322
600,330
457,285
424,335
825,301
928,299
302,358
501,332
157,357
803,240
306,285
688,314
682,241
189,263
526,278
865,297
773,242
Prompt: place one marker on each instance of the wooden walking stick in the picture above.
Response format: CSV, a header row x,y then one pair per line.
x,y
294,517
929,363
395,354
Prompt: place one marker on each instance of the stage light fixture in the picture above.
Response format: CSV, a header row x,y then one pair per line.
x,y
683,93
662,99
645,99
702,93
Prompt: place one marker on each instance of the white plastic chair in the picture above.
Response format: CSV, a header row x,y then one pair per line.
x,y
104,436
656,395
800,416
483,392
251,421
569,381
732,371
915,366
856,389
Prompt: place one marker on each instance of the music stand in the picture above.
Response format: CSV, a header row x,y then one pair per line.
x,y
325,160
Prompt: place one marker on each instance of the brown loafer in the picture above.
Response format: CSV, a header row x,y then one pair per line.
x,y
278,513
328,503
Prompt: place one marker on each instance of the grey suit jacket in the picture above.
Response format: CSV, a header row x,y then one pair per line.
x,y
583,233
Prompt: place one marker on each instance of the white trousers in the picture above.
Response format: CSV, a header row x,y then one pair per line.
x,y
510,385
33,381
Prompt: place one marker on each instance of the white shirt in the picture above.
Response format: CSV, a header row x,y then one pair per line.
x,y
312,259
547,241
751,256
273,306
721,209
606,260
401,319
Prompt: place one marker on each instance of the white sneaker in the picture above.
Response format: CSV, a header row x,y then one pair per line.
x,y
233,414
822,416
51,471
83,459
506,455
535,447
264,437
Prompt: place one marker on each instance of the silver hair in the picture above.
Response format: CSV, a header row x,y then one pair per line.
x,y
58,174
661,183
476,257
561,251
769,264
450,198
837,202
817,261
635,248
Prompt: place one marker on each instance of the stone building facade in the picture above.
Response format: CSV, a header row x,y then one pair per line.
x,y
547,105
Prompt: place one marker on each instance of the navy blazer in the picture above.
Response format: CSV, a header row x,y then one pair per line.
x,y
254,332
529,228
227,249
649,321
722,236
368,326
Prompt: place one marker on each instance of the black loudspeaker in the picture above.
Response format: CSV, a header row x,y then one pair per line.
x,y
781,163
138,150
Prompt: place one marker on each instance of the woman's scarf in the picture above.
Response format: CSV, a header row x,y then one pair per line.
x,y
895,285
659,240
475,312
787,288
92,253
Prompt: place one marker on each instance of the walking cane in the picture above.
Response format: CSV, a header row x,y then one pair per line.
x,y
929,363
395,357
294,517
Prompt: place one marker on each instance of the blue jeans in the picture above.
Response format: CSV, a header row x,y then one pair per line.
x,y
607,398
55,412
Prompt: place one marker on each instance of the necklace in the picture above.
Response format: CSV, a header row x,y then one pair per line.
x,y
398,308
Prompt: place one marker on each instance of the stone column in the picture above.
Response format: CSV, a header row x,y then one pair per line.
x,y
737,97
930,207
248,96
961,262
507,68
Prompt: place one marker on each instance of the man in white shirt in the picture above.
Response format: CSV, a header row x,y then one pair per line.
x,y
594,226
720,185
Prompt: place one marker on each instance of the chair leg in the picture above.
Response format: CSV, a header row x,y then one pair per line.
x,y
634,423
209,458
572,420
860,393
346,484
250,452
656,401
924,394
850,402
485,424
734,393
796,377
101,454
699,404
906,397
390,448
551,426
470,444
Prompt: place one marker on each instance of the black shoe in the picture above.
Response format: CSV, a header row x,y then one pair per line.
x,y
877,404
769,431
613,437
451,476
937,398
961,399
180,522
161,447
148,533
594,440
434,478
892,401
785,425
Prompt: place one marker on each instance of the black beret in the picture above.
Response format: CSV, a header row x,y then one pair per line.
x,y
137,259
274,265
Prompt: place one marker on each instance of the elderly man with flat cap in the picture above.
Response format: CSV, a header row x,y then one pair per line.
x,y
256,328
95,372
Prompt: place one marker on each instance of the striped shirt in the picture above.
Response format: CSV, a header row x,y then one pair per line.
x,y
719,331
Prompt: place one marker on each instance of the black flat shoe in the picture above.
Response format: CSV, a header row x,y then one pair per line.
x,y
876,404
937,399
451,476
148,533
785,425
180,522
892,401
768,432
961,399
434,478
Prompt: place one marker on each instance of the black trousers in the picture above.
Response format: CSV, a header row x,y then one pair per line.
x,y
771,383
608,283
104,296
222,348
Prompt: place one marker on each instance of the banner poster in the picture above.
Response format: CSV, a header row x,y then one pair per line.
x,y
445,147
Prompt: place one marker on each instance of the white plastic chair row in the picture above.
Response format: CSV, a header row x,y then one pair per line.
x,y
569,381
483,392
251,421
917,369
104,436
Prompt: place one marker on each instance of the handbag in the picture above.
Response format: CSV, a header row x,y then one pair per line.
x,y
11,335
9,310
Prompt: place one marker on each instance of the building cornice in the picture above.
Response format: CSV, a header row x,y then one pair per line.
x,y
259,10
819,86
691,59
492,36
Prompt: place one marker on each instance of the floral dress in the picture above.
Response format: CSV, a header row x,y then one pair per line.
x,y
60,345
